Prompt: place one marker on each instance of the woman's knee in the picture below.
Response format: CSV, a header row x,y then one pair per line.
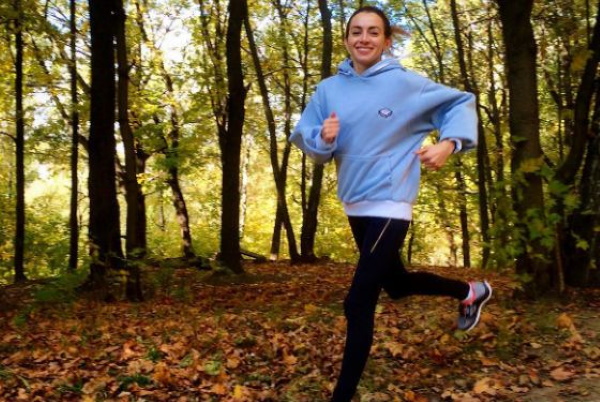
x,y
359,307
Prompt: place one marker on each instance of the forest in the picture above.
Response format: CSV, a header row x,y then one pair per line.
x,y
144,157
180,148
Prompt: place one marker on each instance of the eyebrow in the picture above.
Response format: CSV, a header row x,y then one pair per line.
x,y
360,27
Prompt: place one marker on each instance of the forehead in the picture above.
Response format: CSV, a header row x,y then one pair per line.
x,y
366,20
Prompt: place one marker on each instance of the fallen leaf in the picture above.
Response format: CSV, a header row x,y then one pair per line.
x,y
561,374
219,389
483,386
162,375
290,359
564,321
239,392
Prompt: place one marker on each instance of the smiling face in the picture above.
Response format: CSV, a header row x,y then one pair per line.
x,y
366,40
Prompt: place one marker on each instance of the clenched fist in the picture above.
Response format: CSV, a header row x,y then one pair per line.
x,y
435,156
331,128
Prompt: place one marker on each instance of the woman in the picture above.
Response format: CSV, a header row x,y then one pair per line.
x,y
372,118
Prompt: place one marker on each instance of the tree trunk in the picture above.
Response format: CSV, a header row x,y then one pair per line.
x,y
310,218
247,145
276,238
172,155
181,212
569,168
230,142
133,245
500,202
73,221
526,160
135,238
482,151
463,215
278,172
104,227
583,221
446,224
20,149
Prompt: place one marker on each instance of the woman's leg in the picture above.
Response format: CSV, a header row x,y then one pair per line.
x,y
398,282
379,240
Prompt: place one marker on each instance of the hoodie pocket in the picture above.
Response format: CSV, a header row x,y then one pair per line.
x,y
364,177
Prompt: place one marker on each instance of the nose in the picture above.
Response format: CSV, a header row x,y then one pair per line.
x,y
364,37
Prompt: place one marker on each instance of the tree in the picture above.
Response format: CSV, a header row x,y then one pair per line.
x,y
104,223
231,140
135,244
19,147
440,70
581,245
73,221
526,160
282,215
310,208
170,142
470,86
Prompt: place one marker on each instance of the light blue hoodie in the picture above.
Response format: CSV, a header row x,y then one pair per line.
x,y
385,113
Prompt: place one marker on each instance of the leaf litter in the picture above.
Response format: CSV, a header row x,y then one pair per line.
x,y
278,335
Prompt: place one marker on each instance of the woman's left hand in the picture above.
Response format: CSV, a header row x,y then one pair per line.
x,y
435,156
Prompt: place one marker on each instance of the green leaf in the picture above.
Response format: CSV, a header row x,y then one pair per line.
x,y
212,367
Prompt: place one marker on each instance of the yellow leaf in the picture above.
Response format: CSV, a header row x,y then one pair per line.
x,y
310,308
239,391
564,321
531,165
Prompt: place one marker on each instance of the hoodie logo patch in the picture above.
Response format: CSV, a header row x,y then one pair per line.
x,y
385,113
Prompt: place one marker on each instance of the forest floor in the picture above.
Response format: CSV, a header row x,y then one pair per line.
x,y
277,334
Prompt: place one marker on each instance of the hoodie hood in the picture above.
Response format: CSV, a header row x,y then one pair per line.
x,y
345,68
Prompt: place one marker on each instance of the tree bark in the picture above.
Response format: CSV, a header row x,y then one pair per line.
x,y
135,238
499,205
282,215
230,142
19,241
104,227
583,221
73,219
482,151
569,168
526,160
310,214
171,151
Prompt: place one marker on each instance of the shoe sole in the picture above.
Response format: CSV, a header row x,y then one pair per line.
x,y
480,307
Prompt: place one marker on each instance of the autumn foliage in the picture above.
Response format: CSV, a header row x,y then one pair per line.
x,y
277,333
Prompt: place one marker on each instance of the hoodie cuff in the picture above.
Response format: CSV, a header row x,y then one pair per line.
x,y
457,144
323,145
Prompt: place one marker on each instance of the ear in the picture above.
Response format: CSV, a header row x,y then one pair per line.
x,y
388,44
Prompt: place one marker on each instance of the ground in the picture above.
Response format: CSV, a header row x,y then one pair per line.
x,y
277,333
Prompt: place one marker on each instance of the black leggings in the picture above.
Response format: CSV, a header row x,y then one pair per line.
x,y
379,266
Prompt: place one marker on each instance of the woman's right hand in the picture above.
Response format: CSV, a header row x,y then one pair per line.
x,y
331,128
